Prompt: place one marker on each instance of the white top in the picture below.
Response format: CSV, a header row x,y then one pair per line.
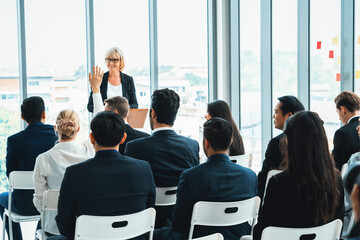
x,y
98,105
50,169
114,91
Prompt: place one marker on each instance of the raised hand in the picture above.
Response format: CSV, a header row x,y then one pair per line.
x,y
95,79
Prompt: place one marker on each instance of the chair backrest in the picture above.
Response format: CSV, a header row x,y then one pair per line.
x,y
329,231
21,180
224,213
165,196
344,169
269,175
115,227
243,160
216,236
49,211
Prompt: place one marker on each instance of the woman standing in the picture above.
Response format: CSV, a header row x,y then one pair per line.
x,y
115,82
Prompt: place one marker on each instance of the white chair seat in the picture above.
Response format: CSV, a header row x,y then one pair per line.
x,y
243,160
39,235
15,217
216,236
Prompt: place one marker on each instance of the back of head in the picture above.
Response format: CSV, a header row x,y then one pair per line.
x,y
349,100
310,165
218,132
116,53
290,104
120,104
165,103
32,109
67,124
107,128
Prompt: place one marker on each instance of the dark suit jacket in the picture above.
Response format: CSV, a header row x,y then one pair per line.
x,y
21,153
132,134
107,185
217,180
284,208
128,90
169,154
273,159
346,142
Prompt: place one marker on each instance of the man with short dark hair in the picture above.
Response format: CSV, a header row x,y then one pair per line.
x,y
107,185
21,153
168,153
217,180
346,139
119,105
286,107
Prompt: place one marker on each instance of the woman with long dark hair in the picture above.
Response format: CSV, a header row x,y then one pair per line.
x,y
309,192
219,108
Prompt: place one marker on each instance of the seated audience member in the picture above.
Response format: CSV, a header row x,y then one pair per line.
x,y
219,108
22,150
352,186
119,105
286,107
217,180
309,192
107,185
168,153
346,139
50,166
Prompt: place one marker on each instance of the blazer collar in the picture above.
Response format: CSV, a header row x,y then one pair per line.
x,y
164,132
34,124
107,153
354,119
218,158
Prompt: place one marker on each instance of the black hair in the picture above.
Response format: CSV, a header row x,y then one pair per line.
x,y
218,132
290,104
165,103
107,128
32,109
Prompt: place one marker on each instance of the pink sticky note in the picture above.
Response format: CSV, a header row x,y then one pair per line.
x,y
318,45
338,77
331,54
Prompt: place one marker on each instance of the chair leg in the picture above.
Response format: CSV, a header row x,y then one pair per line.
x,y
4,223
10,228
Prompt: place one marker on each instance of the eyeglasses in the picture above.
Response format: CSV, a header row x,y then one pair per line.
x,y
114,60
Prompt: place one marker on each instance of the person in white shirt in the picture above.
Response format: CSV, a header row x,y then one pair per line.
x,y
50,166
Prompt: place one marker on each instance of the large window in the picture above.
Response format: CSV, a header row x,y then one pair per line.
x,y
325,62
182,39
56,56
250,79
284,44
9,82
125,24
357,47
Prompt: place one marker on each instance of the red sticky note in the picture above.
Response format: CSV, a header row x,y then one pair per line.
x,y
338,77
331,54
318,45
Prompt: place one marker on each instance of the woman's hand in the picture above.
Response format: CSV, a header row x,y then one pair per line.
x,y
355,200
96,79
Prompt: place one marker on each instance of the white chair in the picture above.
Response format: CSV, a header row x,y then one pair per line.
x,y
269,175
224,213
329,231
344,169
49,210
22,180
243,160
165,196
116,227
215,236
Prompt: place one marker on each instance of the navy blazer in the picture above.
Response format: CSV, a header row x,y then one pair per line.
x,y
132,134
273,159
128,90
217,180
169,154
346,142
107,185
21,153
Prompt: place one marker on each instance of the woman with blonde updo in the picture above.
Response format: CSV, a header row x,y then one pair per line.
x,y
50,166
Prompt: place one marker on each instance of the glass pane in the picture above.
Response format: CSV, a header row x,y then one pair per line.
x,y
9,82
250,79
357,47
284,50
56,57
325,62
125,24
183,60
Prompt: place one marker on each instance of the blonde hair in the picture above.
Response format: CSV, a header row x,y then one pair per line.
x,y
115,52
67,124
